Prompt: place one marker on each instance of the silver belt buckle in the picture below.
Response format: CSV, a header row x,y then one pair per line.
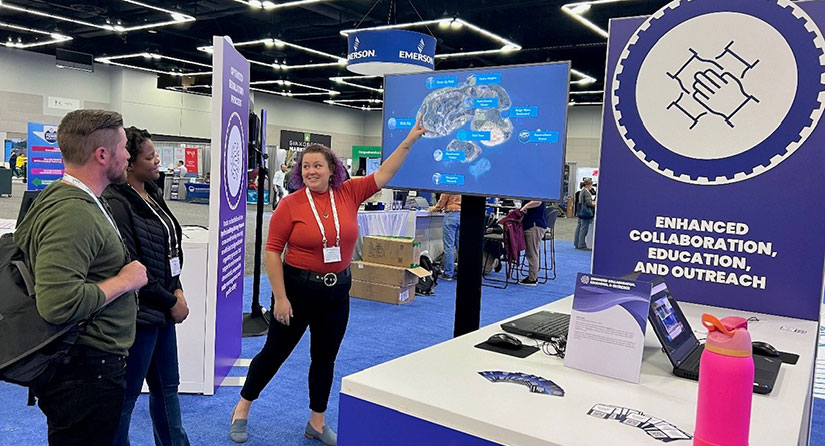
x,y
330,279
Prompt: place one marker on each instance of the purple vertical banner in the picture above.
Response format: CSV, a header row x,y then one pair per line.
x,y
44,162
227,204
711,161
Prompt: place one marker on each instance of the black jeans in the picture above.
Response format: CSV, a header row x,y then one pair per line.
x,y
326,311
82,401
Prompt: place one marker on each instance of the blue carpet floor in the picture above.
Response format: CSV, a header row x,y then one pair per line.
x,y
377,333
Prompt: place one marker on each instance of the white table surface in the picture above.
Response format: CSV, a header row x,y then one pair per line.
x,y
441,384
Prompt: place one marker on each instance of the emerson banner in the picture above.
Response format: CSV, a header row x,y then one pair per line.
x,y
711,162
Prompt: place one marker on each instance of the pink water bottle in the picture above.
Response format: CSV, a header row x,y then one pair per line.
x,y
723,411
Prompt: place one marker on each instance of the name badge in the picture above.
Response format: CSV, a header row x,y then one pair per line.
x,y
332,255
174,265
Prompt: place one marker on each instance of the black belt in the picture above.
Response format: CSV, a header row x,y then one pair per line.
x,y
328,279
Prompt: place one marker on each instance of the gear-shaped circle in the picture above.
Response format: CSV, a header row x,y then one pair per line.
x,y
805,41
234,161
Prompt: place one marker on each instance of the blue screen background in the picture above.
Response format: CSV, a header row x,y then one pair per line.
x,y
522,170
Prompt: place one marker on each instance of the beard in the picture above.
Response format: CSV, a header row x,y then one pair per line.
x,y
116,175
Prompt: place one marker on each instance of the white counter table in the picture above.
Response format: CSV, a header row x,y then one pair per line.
x,y
436,396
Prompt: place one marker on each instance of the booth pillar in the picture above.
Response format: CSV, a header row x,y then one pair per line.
x,y
470,246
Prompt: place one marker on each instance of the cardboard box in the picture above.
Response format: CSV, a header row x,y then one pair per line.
x,y
387,275
382,293
395,251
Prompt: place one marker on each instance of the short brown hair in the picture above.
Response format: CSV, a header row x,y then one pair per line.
x,y
82,131
587,182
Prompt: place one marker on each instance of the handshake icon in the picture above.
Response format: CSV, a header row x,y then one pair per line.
x,y
713,86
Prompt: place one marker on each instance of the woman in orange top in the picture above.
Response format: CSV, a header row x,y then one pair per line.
x,y
318,226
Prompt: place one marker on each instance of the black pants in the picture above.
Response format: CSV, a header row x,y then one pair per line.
x,y
82,401
326,311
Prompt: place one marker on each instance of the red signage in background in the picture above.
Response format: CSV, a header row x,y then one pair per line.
x,y
191,160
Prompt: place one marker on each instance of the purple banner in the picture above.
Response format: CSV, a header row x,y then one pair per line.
x,y
712,154
228,198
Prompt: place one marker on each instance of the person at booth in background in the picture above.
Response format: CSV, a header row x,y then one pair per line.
x,y
181,170
535,225
318,227
278,185
585,210
13,163
153,235
451,205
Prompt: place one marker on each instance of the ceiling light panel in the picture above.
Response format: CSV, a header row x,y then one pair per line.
x,y
120,62
345,80
269,5
270,42
578,11
349,104
52,37
314,91
174,17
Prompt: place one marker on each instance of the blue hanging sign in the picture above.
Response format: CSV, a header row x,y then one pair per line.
x,y
390,51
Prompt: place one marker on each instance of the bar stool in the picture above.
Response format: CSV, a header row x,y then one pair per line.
x,y
545,266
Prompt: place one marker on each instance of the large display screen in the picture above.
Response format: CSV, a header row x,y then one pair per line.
x,y
493,131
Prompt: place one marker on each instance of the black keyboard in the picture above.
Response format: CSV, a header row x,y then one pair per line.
x,y
543,325
557,327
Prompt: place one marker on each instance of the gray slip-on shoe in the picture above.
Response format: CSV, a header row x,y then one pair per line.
x,y
237,430
328,437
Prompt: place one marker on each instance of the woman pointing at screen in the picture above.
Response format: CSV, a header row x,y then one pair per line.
x,y
316,227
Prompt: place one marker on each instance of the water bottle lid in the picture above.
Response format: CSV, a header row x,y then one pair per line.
x,y
729,336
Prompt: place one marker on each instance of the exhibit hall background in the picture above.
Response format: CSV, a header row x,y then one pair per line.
x,y
28,79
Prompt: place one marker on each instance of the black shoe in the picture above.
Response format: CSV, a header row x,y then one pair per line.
x,y
497,268
528,282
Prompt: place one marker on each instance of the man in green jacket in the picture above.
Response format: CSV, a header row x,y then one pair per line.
x,y
80,265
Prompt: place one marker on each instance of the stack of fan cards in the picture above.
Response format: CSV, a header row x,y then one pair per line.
x,y
535,384
654,427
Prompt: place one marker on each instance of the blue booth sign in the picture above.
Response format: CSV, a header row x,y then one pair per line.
x,y
44,161
713,109
390,51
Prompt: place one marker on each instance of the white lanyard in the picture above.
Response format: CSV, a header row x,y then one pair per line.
x,y
86,189
169,231
318,219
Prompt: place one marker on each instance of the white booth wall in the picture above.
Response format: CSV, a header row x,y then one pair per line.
x,y
28,79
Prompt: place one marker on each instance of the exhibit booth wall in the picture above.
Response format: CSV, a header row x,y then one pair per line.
x,y
26,89
25,93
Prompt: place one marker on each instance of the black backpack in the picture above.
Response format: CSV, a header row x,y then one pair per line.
x,y
426,285
31,346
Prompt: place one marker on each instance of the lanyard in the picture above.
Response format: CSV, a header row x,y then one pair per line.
x,y
172,236
86,189
318,219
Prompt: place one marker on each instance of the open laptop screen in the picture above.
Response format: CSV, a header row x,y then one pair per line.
x,y
671,325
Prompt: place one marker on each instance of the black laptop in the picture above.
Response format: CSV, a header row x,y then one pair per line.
x,y
684,350
544,325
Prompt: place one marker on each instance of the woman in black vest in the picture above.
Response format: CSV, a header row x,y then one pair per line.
x,y
153,236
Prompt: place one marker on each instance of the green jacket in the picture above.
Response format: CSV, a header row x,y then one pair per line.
x,y
71,246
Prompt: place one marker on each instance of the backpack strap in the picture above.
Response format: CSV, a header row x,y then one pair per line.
x,y
25,274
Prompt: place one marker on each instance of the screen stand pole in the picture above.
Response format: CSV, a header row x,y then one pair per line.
x,y
470,248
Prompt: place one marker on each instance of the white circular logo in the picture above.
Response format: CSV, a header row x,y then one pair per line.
x,y
716,96
234,157
713,92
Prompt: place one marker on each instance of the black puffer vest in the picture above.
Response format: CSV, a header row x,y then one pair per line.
x,y
145,236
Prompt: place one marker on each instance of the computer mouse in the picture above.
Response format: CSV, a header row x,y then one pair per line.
x,y
504,340
764,349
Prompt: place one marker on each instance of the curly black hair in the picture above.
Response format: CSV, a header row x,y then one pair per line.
x,y
135,138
